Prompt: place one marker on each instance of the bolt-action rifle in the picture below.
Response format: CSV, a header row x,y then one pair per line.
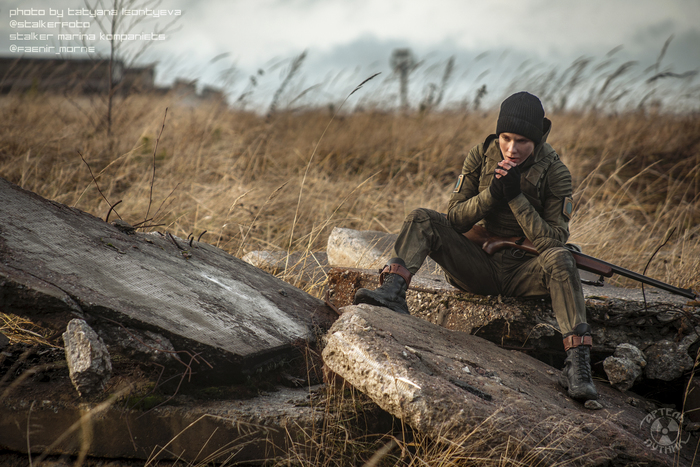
x,y
491,244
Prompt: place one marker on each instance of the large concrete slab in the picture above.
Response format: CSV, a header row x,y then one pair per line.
x,y
446,383
57,263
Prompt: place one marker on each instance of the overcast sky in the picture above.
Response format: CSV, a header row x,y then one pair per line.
x,y
346,41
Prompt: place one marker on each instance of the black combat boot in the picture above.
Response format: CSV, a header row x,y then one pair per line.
x,y
576,375
393,283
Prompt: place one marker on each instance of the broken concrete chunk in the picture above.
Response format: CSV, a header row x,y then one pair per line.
x,y
625,367
415,370
88,359
632,353
593,405
667,360
366,249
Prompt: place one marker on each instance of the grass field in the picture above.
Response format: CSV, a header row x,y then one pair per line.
x,y
282,182
245,181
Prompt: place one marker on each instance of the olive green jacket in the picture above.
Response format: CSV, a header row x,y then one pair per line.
x,y
541,212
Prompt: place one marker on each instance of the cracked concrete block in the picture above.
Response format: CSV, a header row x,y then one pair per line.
x,y
625,367
88,359
667,360
366,249
446,383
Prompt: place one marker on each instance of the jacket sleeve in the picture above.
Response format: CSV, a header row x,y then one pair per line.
x,y
551,229
468,206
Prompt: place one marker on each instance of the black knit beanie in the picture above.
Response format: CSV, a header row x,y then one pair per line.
x,y
522,114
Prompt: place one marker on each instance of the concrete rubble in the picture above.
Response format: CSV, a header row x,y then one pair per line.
x,y
158,301
668,360
192,332
447,383
366,249
617,316
147,346
89,364
625,367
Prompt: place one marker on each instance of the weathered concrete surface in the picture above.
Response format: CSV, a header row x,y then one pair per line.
x,y
445,383
89,363
366,249
58,263
529,324
246,431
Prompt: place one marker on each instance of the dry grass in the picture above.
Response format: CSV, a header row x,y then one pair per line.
x,y
20,330
239,176
349,435
250,183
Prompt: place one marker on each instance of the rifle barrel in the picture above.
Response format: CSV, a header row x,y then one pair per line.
x,y
644,279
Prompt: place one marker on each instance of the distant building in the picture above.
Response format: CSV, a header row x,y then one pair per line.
x,y
21,74
88,76
213,94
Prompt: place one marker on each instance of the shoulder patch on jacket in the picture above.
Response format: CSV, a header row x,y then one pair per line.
x,y
568,207
458,185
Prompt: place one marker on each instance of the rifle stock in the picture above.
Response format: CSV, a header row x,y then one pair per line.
x,y
491,243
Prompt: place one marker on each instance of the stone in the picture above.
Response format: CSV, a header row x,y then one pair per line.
x,y
667,360
58,263
88,359
504,392
593,405
625,367
632,353
366,249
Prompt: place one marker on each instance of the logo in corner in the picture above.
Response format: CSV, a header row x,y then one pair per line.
x,y
664,427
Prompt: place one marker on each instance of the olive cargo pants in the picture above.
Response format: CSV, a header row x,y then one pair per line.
x,y
506,272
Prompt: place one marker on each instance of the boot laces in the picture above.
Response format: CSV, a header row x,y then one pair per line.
x,y
583,366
